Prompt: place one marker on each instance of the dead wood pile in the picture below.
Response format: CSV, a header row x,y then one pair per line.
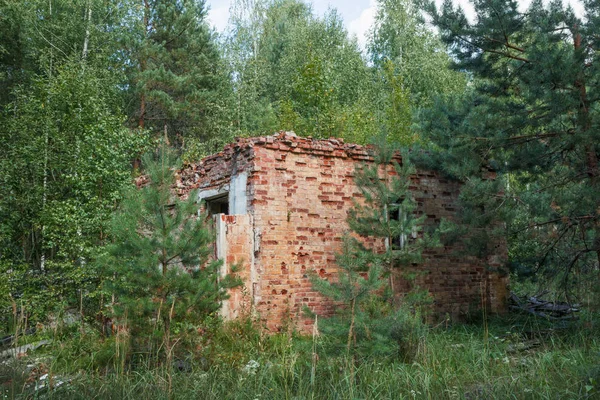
x,y
535,305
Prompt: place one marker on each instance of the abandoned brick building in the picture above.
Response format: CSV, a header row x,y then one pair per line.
x,y
280,204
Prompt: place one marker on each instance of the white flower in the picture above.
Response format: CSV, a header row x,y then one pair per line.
x,y
251,367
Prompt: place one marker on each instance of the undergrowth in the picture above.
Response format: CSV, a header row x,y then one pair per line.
x,y
516,358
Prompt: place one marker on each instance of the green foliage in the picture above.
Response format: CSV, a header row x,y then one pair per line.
x,y
411,68
66,153
399,36
396,106
359,278
532,115
296,71
457,362
373,323
39,36
388,212
369,326
177,84
61,176
158,265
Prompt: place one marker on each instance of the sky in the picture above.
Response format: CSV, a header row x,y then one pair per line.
x,y
358,15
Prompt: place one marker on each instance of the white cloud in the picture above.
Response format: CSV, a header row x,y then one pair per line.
x,y
218,13
218,16
361,25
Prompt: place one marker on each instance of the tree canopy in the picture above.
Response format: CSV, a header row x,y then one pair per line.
x,y
87,87
177,82
532,114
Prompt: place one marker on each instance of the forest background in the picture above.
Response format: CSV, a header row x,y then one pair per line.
x,y
87,87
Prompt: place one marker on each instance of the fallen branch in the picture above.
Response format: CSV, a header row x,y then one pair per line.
x,y
552,310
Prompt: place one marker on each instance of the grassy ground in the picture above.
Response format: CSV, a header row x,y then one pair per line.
x,y
520,359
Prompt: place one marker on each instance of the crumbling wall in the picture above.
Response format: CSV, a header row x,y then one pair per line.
x,y
299,192
214,173
300,202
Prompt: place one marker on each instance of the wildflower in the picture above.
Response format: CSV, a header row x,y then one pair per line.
x,y
251,367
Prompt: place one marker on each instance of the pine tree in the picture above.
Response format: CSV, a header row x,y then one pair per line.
x,y
359,279
533,115
372,319
177,82
158,266
388,210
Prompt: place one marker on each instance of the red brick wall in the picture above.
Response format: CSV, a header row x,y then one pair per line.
x,y
237,253
300,205
299,193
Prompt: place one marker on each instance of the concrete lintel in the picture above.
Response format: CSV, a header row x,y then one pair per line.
x,y
210,194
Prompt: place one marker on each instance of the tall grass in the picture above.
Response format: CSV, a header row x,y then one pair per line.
x,y
519,359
